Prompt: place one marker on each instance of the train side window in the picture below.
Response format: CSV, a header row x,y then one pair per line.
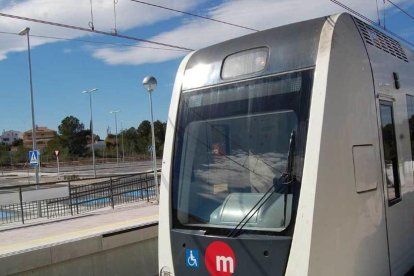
x,y
390,152
410,111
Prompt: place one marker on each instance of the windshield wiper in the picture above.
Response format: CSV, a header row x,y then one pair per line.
x,y
282,184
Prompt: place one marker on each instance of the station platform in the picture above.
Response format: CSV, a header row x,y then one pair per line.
x,y
52,246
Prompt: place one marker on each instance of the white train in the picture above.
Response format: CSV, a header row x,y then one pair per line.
x,y
290,152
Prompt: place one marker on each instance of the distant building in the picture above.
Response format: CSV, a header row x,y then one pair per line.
x,y
43,136
10,136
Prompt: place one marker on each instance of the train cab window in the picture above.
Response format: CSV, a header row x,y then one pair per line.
x,y
232,147
410,111
390,152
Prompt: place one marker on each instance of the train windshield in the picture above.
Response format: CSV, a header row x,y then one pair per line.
x,y
232,145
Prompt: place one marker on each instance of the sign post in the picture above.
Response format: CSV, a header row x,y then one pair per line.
x,y
34,161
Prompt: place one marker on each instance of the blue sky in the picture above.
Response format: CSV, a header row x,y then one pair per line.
x,y
62,69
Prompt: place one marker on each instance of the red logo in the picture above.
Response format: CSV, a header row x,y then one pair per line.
x,y
220,259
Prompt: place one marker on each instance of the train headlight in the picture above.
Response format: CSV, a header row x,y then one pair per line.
x,y
166,271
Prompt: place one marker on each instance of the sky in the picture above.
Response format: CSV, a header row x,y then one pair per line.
x,y
73,61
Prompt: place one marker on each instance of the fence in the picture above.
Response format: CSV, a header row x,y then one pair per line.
x,y
79,198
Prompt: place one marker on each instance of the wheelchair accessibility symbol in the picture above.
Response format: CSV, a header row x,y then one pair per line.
x,y
192,258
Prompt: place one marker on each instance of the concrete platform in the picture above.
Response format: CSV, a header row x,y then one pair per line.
x,y
100,243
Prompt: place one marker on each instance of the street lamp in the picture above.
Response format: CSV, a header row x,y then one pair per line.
x,y
150,83
26,33
116,135
92,138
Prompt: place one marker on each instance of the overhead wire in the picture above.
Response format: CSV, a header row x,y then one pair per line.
x,y
353,11
93,31
401,9
195,15
115,34
370,21
97,42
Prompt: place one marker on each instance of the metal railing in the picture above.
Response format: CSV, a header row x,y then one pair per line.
x,y
81,198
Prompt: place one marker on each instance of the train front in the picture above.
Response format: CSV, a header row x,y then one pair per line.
x,y
234,153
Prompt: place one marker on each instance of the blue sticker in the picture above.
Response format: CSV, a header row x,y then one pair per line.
x,y
192,258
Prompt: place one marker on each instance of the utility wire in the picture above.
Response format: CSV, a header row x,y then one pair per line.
x,y
195,15
93,31
96,42
401,9
369,20
353,11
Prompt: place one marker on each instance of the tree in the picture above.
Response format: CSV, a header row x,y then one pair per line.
x,y
130,140
4,154
54,144
144,129
18,142
73,136
159,133
144,136
20,154
110,141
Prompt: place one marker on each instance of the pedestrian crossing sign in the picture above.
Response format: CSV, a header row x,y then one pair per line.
x,y
34,157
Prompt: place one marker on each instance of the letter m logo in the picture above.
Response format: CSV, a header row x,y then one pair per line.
x,y
225,264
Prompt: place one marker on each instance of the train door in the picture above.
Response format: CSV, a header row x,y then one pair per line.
x,y
391,174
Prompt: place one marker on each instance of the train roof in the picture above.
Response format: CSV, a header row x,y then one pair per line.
x,y
290,47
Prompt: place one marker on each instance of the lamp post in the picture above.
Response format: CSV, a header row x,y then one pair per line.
x,y
26,33
116,135
150,83
92,138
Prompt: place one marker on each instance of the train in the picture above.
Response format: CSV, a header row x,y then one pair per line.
x,y
290,151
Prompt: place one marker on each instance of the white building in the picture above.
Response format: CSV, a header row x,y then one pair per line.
x,y
8,137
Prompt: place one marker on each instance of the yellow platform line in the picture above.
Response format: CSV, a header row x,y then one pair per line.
x,y
82,233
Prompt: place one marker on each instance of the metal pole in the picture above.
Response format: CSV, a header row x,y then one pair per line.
x,y
154,155
70,198
116,141
58,169
122,140
21,204
111,193
27,30
92,136
116,136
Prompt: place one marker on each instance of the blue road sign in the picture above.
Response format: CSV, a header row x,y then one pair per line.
x,y
34,157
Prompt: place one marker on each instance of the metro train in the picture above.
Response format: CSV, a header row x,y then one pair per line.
x,y
290,152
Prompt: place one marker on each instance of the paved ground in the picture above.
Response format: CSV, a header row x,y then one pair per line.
x,y
28,237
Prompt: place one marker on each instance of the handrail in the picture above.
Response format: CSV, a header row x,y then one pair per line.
x,y
77,180
81,197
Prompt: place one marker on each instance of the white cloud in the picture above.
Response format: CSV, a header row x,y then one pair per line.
x,y
257,14
129,15
193,33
